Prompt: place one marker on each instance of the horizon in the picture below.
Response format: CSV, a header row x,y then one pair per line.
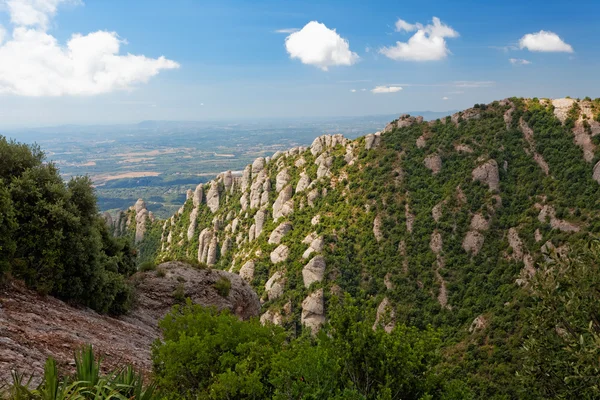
x,y
72,62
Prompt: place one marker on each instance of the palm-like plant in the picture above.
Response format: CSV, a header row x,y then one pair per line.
x,y
122,384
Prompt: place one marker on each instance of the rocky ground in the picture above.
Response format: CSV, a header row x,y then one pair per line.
x,y
34,327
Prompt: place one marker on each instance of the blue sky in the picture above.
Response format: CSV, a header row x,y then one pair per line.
x,y
225,60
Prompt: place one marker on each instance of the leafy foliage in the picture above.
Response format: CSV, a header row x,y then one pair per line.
x,y
52,237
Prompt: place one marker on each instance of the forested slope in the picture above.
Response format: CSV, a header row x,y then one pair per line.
x,y
438,223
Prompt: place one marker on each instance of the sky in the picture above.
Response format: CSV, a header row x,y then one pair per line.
x,y
115,61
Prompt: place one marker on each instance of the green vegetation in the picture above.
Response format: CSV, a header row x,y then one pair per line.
x,y
207,354
52,237
222,286
87,383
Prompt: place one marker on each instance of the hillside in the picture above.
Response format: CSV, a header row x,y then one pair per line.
x,y
437,223
34,327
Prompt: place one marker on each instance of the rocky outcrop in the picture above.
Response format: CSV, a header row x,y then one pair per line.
x,y
478,324
325,142
274,286
258,165
596,172
528,133
34,327
403,121
487,173
314,271
141,217
303,183
313,311
434,163
316,246
386,316
410,218
562,108
474,239
212,197
279,232
282,179
372,140
280,254
259,222
247,271
548,212
284,205
377,228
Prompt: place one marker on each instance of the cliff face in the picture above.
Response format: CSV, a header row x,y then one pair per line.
x,y
33,327
420,221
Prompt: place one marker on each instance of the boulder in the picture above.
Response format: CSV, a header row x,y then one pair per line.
x,y
282,179
212,197
259,221
313,311
304,182
274,286
284,205
377,228
279,232
280,254
246,178
258,165
434,163
487,173
314,271
247,271
198,195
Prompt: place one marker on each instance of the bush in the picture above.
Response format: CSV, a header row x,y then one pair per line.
x,y
147,266
223,286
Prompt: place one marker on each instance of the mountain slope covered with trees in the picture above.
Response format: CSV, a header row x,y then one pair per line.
x,y
437,224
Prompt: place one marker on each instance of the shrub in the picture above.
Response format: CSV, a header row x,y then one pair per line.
x,y
222,286
147,266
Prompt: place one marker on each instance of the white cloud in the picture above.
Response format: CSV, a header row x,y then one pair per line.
x,y
317,45
34,63
386,89
427,44
353,90
445,98
287,30
544,41
2,34
519,61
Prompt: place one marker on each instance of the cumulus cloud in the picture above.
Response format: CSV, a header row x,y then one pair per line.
x,y
353,90
519,61
427,44
34,63
317,45
544,41
445,98
386,89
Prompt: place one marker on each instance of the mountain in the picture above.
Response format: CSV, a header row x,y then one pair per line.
x,y
438,223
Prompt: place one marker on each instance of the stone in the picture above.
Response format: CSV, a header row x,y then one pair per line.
x,y
246,178
313,311
282,179
312,196
279,232
258,165
377,228
140,205
435,243
271,317
479,223
280,254
274,286
189,194
487,173
198,195
193,222
478,324
314,271
259,221
434,163
304,182
211,256
596,172
386,316
284,205
212,197
315,220
247,271
372,140
473,242
226,246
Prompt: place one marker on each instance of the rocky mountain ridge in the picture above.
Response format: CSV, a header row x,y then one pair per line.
x,y
401,218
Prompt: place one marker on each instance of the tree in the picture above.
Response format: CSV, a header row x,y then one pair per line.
x,y
562,346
